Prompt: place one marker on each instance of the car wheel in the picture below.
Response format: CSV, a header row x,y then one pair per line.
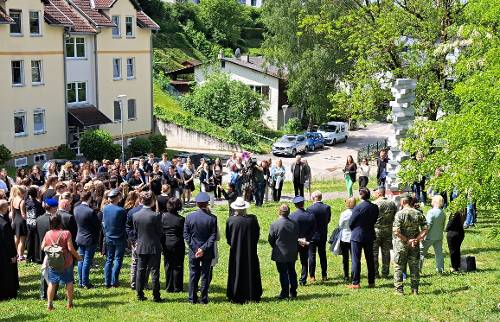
x,y
345,139
334,141
312,147
294,152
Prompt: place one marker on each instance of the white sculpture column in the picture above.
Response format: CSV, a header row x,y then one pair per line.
x,y
403,115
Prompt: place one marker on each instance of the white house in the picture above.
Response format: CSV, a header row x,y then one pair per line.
x,y
251,3
268,80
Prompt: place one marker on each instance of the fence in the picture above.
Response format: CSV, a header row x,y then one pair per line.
x,y
371,151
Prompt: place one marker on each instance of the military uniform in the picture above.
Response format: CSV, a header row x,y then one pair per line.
x,y
383,233
410,222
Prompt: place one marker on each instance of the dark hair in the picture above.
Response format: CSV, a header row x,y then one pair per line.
x,y
26,181
86,196
174,205
364,193
112,182
147,198
284,210
55,221
33,192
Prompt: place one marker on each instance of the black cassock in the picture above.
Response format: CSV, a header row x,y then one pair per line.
x,y
9,278
244,281
42,227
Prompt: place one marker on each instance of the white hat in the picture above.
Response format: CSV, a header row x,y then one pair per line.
x,y
239,204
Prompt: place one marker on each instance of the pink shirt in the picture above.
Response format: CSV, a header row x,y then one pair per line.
x,y
51,237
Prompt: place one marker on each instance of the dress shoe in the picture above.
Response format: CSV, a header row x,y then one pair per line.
x,y
353,286
301,283
312,279
141,298
324,279
281,297
293,296
89,286
371,285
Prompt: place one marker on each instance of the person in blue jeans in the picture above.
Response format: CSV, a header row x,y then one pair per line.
x,y
114,223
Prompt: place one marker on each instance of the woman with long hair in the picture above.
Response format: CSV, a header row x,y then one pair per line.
x,y
21,175
51,170
278,172
218,173
34,209
36,176
49,189
18,219
350,174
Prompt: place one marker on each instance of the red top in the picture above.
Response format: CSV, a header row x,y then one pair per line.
x,y
51,237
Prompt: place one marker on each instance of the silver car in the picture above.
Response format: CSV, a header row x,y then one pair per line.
x,y
290,145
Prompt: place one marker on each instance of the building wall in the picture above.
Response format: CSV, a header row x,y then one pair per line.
x,y
139,88
250,77
49,96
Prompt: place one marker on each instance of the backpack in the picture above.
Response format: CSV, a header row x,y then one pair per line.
x,y
55,255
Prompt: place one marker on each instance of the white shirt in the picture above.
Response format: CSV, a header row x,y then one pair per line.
x,y
364,170
345,235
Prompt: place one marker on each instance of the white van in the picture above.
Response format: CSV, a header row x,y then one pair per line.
x,y
334,132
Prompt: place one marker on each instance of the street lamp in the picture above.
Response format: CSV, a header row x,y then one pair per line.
x,y
285,108
120,100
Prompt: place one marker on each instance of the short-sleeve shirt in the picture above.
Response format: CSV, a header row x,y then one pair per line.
x,y
410,222
387,210
51,237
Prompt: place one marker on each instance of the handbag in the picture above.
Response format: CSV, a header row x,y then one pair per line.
x,y
335,241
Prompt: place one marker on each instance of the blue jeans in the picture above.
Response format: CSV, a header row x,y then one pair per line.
x,y
471,214
87,253
114,260
259,193
288,278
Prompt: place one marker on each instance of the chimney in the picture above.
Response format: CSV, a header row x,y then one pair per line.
x,y
92,4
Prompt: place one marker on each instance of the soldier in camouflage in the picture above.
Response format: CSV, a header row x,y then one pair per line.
x,y
383,231
410,228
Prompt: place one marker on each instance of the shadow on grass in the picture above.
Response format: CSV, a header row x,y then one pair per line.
x,y
478,250
102,304
25,317
450,291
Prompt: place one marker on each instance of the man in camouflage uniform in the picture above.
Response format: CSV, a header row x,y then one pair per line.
x,y
383,231
410,228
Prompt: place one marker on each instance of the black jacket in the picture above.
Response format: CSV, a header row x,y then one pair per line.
x,y
283,236
147,225
306,222
88,225
322,214
69,223
362,222
173,228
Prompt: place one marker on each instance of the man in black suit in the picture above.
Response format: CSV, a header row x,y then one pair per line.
x,y
200,233
306,223
362,224
322,215
147,225
300,171
283,238
87,237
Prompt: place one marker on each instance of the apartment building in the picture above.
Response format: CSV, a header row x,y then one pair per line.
x,y
72,65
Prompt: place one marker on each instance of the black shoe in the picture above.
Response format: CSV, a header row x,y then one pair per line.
x,y
89,286
108,286
293,296
158,300
347,279
141,298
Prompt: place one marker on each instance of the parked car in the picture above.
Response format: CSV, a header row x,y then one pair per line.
x,y
195,157
334,132
315,140
290,145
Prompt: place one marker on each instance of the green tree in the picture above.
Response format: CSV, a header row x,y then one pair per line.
x,y
469,144
158,144
5,154
96,144
224,101
139,147
64,152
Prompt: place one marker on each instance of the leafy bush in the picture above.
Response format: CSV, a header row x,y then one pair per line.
x,y
158,144
293,126
139,146
241,135
95,145
5,154
64,152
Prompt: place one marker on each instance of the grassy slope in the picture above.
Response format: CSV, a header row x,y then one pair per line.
x,y
465,297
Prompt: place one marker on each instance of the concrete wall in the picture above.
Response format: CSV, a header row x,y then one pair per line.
x,y
179,137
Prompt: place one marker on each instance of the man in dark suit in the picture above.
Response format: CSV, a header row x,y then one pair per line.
x,y
306,223
300,171
283,238
67,219
362,224
200,233
42,227
322,215
147,225
87,237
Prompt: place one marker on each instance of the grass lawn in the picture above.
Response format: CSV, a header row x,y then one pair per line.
x,y
465,297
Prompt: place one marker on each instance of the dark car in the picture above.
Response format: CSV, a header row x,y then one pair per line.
x,y
315,140
195,157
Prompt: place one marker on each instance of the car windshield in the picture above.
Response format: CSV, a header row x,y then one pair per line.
x,y
288,139
310,136
328,128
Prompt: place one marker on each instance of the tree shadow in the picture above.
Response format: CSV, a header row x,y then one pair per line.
x,y
478,250
26,317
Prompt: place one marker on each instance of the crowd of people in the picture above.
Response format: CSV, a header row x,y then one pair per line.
x,y
62,216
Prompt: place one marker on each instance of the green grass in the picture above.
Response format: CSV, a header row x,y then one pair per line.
x,y
329,185
461,297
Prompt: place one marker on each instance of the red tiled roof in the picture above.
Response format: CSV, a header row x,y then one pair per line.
x,y
64,15
144,21
97,17
4,17
104,4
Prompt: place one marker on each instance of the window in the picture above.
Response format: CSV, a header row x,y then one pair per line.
x,y
39,122
35,28
131,109
116,32
36,72
20,124
76,92
117,113
75,47
21,162
17,73
117,68
129,26
130,68
16,27
253,3
39,158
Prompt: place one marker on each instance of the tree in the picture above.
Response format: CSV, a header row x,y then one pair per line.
x,y
158,144
96,144
224,101
223,20
64,152
139,147
469,144
5,154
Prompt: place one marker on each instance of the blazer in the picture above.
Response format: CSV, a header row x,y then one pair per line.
x,y
304,172
147,225
306,223
283,236
200,231
322,215
129,226
69,223
88,225
114,219
173,227
362,222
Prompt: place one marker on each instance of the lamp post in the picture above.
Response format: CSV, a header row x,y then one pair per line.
x,y
120,100
285,108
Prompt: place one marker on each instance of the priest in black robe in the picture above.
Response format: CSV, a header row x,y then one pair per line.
x,y
242,233
9,278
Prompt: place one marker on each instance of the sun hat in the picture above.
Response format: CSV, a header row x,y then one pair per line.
x,y
240,204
